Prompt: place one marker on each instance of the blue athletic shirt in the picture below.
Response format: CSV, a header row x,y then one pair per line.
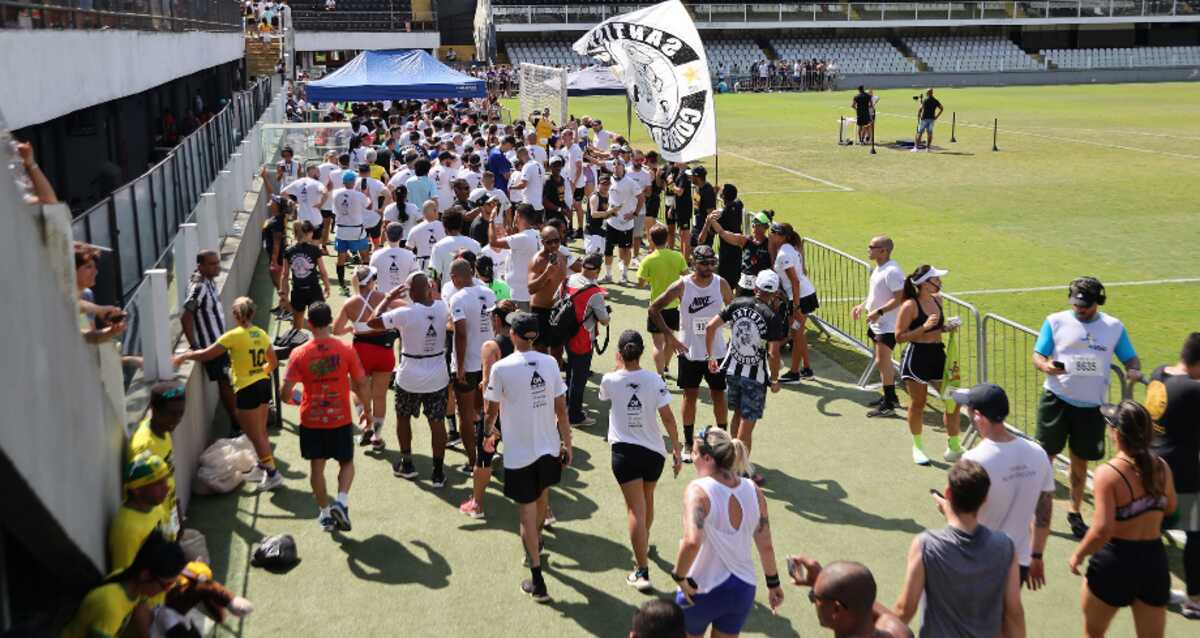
x,y
1086,349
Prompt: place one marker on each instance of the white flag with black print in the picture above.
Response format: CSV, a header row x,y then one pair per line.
x,y
657,54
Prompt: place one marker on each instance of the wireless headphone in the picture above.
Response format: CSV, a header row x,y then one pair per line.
x,y
1089,286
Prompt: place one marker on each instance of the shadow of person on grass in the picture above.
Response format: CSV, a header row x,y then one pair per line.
x,y
824,501
383,559
599,614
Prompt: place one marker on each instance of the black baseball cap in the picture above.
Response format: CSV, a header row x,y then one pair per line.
x,y
989,398
699,170
524,324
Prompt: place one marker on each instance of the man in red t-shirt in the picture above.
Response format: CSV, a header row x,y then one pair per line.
x,y
326,366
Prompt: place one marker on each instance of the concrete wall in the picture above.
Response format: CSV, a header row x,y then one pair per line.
x,y
347,41
1060,76
82,68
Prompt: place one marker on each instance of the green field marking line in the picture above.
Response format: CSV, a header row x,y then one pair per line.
x,y
1115,284
836,187
1075,140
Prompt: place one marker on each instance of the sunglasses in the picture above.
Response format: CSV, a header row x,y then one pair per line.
x,y
873,247
813,597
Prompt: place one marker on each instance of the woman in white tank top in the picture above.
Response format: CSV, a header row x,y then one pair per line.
x,y
724,514
374,348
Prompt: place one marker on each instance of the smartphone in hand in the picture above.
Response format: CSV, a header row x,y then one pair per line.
x,y
795,569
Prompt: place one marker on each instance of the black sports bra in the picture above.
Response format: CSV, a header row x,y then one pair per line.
x,y
923,316
1140,505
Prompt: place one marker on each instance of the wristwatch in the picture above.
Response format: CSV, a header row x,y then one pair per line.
x,y
1036,556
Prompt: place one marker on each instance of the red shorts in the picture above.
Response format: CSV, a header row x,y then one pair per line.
x,y
375,358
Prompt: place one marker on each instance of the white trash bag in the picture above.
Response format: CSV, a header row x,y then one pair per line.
x,y
224,465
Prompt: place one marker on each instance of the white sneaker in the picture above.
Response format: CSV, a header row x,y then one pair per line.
x,y
639,580
550,520
951,456
607,278
625,276
269,482
914,150
918,456
686,457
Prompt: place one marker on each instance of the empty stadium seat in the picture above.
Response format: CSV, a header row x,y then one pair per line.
x,y
950,53
852,55
1123,58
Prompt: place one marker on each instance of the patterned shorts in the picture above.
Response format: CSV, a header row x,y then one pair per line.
x,y
747,396
410,403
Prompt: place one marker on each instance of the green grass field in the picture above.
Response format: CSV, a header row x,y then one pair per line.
x,y
839,485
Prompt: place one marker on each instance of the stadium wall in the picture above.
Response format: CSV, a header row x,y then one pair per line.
x,y
81,68
1008,78
352,41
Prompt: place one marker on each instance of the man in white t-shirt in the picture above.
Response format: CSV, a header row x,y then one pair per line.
x,y
427,233
536,152
325,170
885,293
532,179
421,377
623,198
471,311
522,245
1021,496
572,172
393,263
526,394
350,206
638,174
443,175
603,138
310,196
447,248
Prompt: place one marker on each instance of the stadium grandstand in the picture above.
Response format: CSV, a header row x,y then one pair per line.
x,y
909,332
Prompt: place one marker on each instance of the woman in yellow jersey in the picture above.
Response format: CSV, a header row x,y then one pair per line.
x,y
106,610
251,361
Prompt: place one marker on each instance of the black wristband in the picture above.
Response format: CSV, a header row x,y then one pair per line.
x,y
1036,556
772,581
677,578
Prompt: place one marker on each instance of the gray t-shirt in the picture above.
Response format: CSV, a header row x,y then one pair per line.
x,y
965,576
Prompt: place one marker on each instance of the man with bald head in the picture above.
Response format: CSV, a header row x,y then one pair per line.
x,y
547,272
471,311
843,595
885,293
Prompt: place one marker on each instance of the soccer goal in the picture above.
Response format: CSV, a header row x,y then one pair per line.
x,y
543,87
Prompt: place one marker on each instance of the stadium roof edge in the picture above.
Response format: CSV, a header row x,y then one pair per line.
x,y
866,24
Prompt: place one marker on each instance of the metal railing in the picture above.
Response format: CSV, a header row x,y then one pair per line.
x,y
144,15
989,11
139,220
365,21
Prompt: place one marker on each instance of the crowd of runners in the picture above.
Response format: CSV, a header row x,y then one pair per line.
x,y
476,258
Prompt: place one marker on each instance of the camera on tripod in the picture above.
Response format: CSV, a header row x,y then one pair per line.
x,y
916,98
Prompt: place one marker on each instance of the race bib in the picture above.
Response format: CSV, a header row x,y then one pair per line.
x,y
1086,365
699,324
747,282
670,200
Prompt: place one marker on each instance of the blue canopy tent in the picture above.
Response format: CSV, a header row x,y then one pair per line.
x,y
394,74
594,80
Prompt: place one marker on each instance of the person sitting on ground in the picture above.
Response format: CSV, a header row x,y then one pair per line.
x,y
141,514
843,595
154,434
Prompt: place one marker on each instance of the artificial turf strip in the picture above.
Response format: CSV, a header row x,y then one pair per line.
x,y
839,486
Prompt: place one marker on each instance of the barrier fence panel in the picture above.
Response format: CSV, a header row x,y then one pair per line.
x,y
969,339
841,281
1008,362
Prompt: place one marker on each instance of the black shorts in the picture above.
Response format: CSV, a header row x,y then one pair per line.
x,y
670,316
888,338
302,298
691,372
809,304
652,206
483,458
631,462
864,118
254,395
327,215
680,220
1124,571
526,484
374,231
327,443
409,404
547,336
580,194
1059,423
923,362
614,238
473,379
217,369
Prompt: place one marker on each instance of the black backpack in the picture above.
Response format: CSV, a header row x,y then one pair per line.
x,y
563,320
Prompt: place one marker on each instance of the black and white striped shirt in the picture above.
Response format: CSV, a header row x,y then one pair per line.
x,y
752,326
204,303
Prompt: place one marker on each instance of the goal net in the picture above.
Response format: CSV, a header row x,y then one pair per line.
x,y
543,87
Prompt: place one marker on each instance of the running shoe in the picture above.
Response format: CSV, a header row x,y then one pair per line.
x,y
791,376
326,522
1190,610
686,457
538,592
550,520
377,441
467,468
1079,529
639,579
587,420
919,456
365,439
472,509
951,456
453,438
807,373
438,478
607,278
269,482
404,469
884,409
341,515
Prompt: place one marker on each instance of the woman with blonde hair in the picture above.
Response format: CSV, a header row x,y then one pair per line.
x,y
251,361
724,514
